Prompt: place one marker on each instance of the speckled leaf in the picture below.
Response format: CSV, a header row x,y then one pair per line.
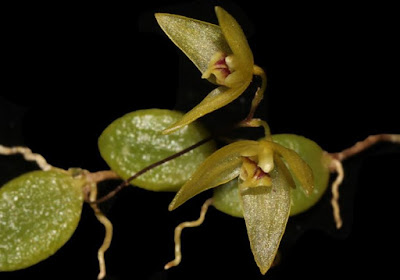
x,y
197,39
226,199
135,141
266,211
39,211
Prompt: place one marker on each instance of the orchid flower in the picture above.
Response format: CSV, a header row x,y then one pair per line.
x,y
264,189
221,53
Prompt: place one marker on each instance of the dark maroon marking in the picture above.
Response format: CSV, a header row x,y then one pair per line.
x,y
221,61
261,174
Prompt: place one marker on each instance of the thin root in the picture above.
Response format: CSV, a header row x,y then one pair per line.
x,y
336,166
27,154
108,232
365,144
178,232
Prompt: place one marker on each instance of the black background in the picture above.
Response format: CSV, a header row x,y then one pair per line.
x,y
69,70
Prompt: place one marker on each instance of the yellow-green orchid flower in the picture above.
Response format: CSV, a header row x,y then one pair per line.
x,y
221,53
264,184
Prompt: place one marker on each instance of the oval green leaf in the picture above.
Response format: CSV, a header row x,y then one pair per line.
x,y
39,212
135,141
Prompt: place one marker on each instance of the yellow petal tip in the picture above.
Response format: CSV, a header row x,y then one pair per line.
x,y
264,270
158,16
218,9
169,130
172,205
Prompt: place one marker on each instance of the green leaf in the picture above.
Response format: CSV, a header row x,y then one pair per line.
x,y
39,211
266,211
197,39
226,199
219,168
216,99
135,141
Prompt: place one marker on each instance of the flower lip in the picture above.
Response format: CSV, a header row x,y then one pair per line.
x,y
220,67
252,175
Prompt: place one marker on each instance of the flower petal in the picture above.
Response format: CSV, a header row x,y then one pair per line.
x,y
216,99
199,40
266,211
297,165
236,39
219,168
